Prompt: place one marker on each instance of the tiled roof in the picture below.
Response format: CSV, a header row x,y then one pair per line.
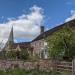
x,y
22,45
51,31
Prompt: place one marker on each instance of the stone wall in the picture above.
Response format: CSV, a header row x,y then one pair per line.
x,y
44,65
28,65
37,46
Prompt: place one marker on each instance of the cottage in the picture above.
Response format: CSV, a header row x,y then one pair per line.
x,y
37,46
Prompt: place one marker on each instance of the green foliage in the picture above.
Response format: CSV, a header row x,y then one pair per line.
x,y
7,55
2,54
24,54
18,71
66,73
62,43
11,54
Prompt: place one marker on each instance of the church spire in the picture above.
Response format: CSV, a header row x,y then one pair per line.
x,y
10,41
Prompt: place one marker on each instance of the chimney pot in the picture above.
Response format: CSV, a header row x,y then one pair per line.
x,y
42,29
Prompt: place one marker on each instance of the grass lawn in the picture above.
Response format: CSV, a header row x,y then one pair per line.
x,y
18,71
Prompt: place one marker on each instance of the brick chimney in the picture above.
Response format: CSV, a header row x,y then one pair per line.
x,y
41,29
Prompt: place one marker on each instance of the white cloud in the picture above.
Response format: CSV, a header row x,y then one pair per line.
x,y
25,26
72,16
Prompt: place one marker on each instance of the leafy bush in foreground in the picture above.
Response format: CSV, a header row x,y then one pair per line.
x,y
18,71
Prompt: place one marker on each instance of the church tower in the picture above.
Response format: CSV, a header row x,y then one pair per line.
x,y
10,39
9,44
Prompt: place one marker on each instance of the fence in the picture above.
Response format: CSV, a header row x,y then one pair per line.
x,y
66,65
63,65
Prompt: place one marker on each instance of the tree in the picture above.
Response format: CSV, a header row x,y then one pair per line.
x,y
62,43
11,55
24,54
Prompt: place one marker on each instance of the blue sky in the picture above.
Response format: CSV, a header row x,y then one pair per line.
x,y
54,11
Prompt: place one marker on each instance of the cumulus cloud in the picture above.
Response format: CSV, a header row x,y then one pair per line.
x,y
72,16
25,26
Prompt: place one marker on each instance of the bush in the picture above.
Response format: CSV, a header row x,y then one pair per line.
x,y
24,55
18,71
66,73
